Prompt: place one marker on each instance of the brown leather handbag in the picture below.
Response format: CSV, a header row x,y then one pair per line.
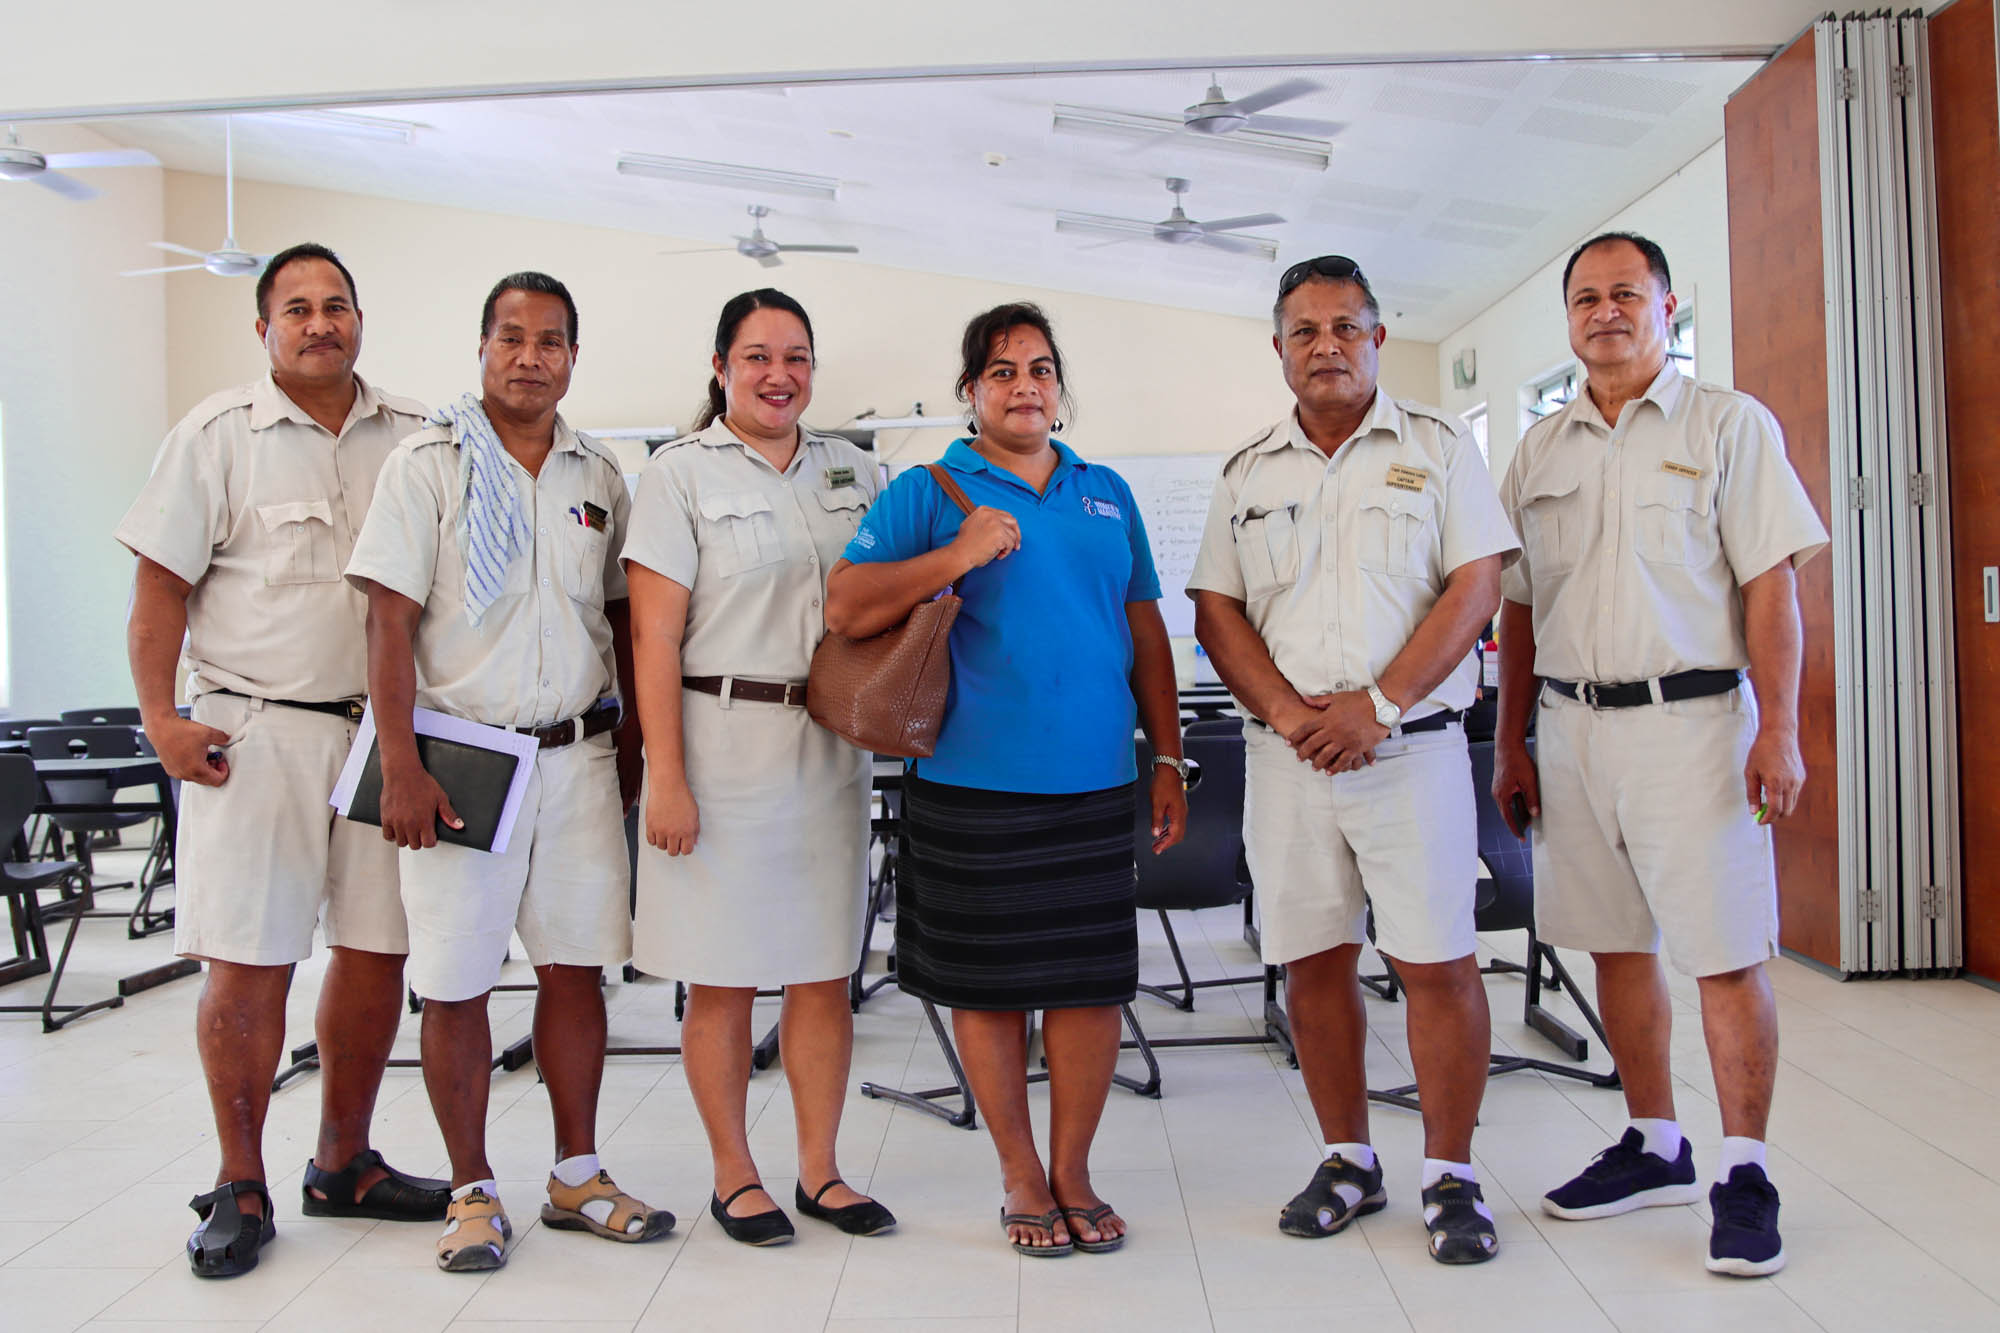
x,y
886,692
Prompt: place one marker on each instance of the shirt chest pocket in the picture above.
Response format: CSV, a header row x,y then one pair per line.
x,y
1267,549
1673,520
1395,531
1552,527
298,538
739,532
842,508
582,561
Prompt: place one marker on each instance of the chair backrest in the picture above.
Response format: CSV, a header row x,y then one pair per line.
x,y
1508,859
16,728
19,793
101,717
83,742
1202,870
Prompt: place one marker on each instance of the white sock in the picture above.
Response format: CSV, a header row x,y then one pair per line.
x,y
573,1171
492,1187
1737,1151
1435,1170
1663,1137
1362,1155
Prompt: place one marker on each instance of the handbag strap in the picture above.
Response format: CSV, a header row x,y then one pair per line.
x,y
948,486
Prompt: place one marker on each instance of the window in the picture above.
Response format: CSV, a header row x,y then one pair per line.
x,y
1549,394
1680,341
1475,422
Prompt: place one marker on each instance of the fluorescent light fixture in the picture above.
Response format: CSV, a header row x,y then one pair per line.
x,y
1134,126
761,179
1096,224
636,433
346,123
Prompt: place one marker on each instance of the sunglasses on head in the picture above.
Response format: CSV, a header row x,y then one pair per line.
x,y
1338,267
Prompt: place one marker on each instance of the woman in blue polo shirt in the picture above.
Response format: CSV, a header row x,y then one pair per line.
x,y
1014,890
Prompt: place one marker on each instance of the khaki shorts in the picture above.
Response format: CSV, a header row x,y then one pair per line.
x,y
1400,834
1645,833
262,859
564,883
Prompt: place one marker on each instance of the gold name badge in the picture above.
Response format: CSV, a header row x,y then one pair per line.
x,y
1407,478
837,477
1681,470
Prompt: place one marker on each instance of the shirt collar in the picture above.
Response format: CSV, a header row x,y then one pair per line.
x,y
1382,415
1664,393
962,457
566,440
717,435
269,405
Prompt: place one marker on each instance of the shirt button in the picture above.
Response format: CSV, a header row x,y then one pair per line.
x,y
548,634
545,685
544,532
815,601
1340,684
545,583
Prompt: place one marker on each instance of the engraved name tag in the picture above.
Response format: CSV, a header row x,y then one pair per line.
x,y
1407,478
1681,470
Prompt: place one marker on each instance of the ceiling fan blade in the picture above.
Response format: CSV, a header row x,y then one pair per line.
x,y
769,261
171,248
1299,125
1247,220
69,187
1276,93
1235,245
123,157
703,250
821,249
149,272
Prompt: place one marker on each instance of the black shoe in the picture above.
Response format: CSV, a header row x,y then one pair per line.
x,y
1317,1210
1624,1177
867,1218
227,1241
770,1227
394,1198
1743,1241
1460,1233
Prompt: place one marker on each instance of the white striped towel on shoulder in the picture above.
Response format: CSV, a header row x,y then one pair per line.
x,y
491,530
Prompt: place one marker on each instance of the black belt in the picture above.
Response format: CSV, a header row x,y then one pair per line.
x,y
596,722
1431,722
759,691
1680,685
351,709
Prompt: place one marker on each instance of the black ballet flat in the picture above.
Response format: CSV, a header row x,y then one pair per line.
x,y
867,1218
766,1228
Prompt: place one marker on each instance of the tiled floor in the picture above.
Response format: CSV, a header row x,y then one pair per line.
x,y
1886,1145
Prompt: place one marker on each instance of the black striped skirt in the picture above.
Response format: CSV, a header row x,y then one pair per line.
x,y
1015,900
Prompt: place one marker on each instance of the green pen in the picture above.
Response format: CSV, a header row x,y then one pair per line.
x,y
1762,811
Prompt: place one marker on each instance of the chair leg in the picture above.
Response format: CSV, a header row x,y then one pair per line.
x,y
1185,1000
56,1016
967,1116
1151,1086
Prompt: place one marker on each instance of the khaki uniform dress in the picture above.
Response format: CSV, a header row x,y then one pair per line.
x,y
775,890
257,506
1636,540
1337,561
541,654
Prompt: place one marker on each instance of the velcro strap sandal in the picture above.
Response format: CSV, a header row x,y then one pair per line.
x,y
564,1211
1460,1233
394,1198
227,1241
476,1232
1318,1210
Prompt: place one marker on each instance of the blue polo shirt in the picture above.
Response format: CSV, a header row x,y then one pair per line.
x,y
1041,652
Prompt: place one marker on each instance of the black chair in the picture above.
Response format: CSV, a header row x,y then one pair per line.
x,y
22,880
87,742
16,728
101,717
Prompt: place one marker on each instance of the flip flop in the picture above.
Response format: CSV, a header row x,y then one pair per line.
x,y
1047,1222
1093,1217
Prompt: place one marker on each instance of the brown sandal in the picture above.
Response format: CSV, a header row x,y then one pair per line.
x,y
564,1211
475,1235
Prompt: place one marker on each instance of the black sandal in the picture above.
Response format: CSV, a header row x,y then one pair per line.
x,y
1460,1233
1094,1219
1317,1210
394,1198
770,1227
227,1241
867,1218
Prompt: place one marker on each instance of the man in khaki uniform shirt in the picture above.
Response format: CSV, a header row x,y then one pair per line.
x,y
1352,555
490,559
241,532
1661,523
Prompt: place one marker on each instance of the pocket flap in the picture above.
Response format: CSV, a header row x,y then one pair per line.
x,y
733,504
843,497
1397,501
1547,488
1667,491
295,511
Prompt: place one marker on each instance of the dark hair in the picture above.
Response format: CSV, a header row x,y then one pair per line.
x,y
527,281
734,312
1656,258
304,250
975,349
1326,268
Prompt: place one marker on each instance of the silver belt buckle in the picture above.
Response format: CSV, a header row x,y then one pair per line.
x,y
1589,692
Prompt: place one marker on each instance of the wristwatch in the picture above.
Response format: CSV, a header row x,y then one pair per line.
x,y
1179,766
1386,713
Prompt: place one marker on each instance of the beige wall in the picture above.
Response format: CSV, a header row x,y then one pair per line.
x,y
1147,379
82,407
1523,336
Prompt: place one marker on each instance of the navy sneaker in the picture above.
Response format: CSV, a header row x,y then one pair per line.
x,y
1624,1177
1743,1241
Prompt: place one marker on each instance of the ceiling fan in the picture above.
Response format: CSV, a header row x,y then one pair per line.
x,y
231,261
46,169
1177,228
1216,114
762,248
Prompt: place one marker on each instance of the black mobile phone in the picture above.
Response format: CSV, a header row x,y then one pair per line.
x,y
1518,805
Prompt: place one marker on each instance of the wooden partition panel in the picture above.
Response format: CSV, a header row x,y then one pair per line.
x,y
1966,126
1777,291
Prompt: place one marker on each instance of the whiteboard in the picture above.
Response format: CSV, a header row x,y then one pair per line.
x,y
1172,491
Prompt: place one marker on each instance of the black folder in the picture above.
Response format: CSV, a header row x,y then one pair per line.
x,y
475,779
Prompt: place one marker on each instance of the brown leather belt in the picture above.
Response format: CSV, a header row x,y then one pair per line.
x,y
596,722
758,691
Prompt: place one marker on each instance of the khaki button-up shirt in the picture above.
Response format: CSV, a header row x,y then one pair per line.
x,y
752,545
1338,560
1636,537
257,505
542,652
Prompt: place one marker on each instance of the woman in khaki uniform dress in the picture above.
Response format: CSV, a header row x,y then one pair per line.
x,y
755,865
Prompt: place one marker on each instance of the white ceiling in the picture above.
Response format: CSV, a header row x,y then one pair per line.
x,y
1450,184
